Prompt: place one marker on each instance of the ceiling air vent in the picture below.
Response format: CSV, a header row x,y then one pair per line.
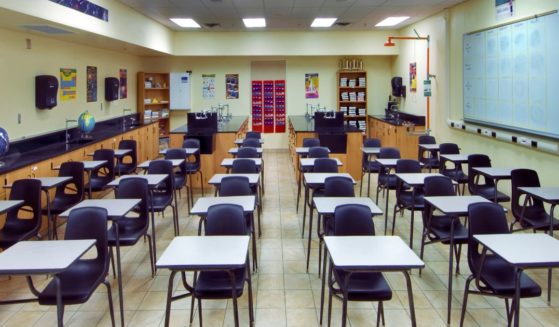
x,y
342,23
212,25
45,29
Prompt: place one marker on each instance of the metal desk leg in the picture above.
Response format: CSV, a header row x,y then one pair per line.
x,y
450,271
169,297
119,273
516,309
153,230
59,308
549,271
412,216
305,210
234,293
50,231
322,290
410,297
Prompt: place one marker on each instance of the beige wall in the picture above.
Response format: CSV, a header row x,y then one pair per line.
x,y
378,68
19,67
446,30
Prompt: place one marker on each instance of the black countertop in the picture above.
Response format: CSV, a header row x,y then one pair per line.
x,y
404,118
232,126
302,124
39,148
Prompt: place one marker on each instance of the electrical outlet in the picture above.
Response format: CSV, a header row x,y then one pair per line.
x,y
486,132
19,118
524,141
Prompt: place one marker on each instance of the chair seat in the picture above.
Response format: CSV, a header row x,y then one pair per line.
x,y
365,286
60,204
76,285
217,284
538,218
125,168
130,230
488,192
161,201
371,167
180,181
430,162
457,175
192,167
11,234
440,230
98,183
389,181
498,275
407,200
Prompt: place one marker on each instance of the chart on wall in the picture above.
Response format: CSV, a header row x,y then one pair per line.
x,y
179,91
511,76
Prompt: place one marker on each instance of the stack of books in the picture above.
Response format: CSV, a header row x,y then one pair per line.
x,y
362,82
352,111
361,96
345,96
352,96
362,112
362,125
343,82
352,83
344,110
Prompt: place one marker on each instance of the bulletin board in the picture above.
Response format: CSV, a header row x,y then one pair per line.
x,y
180,85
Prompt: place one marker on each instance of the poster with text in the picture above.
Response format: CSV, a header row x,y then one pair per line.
x,y
208,86
311,86
68,85
413,77
232,86
123,84
91,84
504,9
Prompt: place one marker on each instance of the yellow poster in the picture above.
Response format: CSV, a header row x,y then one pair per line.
x,y
68,84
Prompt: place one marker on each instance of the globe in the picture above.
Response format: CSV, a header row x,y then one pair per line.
x,y
4,143
86,122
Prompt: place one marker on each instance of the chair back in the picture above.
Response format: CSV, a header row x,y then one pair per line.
x,y
248,152
195,144
253,135
438,186
90,223
309,142
163,167
252,142
426,139
404,166
449,148
177,153
107,170
136,188
477,161
225,219
523,178
369,143
387,153
483,218
130,145
325,165
234,186
244,166
339,186
318,152
75,170
29,191
353,220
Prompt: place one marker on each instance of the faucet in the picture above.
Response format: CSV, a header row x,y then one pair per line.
x,y
124,111
66,134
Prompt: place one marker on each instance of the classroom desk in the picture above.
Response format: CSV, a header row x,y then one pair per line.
x,y
308,163
302,152
239,142
369,151
454,206
203,253
119,154
174,162
429,148
234,151
6,205
388,164
327,206
416,181
88,167
496,174
455,158
316,180
116,209
189,151
522,251
228,162
356,254
200,208
40,258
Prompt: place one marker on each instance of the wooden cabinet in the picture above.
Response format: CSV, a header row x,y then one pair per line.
x,y
395,136
352,97
153,94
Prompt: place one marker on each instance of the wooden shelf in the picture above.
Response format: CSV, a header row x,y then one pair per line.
x,y
159,93
343,101
156,104
155,88
355,117
354,75
354,87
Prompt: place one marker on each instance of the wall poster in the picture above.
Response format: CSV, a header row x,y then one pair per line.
x,y
504,9
208,86
68,88
123,84
413,77
232,86
311,86
85,7
91,84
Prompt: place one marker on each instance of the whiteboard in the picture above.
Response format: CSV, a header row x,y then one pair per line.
x,y
511,76
180,91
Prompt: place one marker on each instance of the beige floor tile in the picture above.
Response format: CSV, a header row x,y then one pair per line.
x,y
301,318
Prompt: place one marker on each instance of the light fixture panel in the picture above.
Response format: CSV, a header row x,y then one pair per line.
x,y
254,22
323,22
392,21
185,22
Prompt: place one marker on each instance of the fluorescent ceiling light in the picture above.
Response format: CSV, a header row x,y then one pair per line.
x,y
391,21
323,22
254,22
185,22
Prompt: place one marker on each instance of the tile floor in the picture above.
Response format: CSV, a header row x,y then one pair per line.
x,y
284,294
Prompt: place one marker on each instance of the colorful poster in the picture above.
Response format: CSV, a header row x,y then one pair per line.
x,y
232,86
504,9
85,7
311,86
208,86
68,88
123,84
91,84
413,77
